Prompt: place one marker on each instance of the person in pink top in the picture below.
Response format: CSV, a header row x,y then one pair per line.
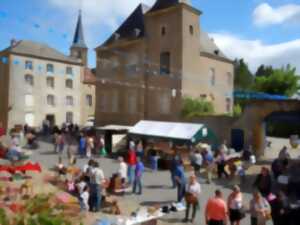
x,y
216,210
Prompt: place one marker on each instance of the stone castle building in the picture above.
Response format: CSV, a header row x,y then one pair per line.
x,y
39,82
155,58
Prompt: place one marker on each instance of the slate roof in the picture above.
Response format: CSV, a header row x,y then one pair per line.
x,y
39,50
163,4
134,21
207,45
78,40
89,77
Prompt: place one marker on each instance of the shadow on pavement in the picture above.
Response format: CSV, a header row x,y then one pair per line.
x,y
151,203
157,187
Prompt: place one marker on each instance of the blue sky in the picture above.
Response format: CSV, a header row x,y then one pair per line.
x,y
259,31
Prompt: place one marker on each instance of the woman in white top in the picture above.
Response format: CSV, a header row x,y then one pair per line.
x,y
122,170
193,192
260,209
235,205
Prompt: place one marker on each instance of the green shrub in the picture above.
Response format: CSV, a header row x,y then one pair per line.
x,y
237,110
196,107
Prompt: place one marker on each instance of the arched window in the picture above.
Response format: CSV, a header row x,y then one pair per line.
x,y
191,30
165,61
212,75
69,83
163,31
51,100
50,82
29,80
69,101
50,68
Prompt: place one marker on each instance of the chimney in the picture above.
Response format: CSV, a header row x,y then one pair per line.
x,y
13,42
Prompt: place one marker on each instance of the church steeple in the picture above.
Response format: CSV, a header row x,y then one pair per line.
x,y
78,40
79,48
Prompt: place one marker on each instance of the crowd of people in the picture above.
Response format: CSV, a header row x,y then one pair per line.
x,y
90,185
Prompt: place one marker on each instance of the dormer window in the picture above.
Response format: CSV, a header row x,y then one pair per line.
x,y
117,36
163,31
137,32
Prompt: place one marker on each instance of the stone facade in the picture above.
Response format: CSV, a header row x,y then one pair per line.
x,y
156,57
31,102
39,82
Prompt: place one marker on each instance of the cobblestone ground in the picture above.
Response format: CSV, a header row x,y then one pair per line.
x,y
157,185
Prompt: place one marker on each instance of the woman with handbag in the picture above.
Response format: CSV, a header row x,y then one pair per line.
x,y
191,197
260,209
235,206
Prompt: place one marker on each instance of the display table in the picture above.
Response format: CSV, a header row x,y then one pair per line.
x,y
142,219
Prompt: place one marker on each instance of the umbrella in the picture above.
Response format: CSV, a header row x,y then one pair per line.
x,y
26,167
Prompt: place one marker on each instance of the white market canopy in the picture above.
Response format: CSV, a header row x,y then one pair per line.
x,y
182,131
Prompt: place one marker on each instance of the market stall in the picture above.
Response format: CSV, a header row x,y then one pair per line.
x,y
168,139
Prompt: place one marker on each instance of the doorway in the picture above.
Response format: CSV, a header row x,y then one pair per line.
x,y
51,119
237,139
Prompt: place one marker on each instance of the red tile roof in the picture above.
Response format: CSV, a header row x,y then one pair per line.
x,y
89,77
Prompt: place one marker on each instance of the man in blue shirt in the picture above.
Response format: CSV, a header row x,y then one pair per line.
x,y
209,165
180,180
139,170
82,145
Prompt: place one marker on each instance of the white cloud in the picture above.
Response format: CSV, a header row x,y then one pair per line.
x,y
255,52
265,15
100,12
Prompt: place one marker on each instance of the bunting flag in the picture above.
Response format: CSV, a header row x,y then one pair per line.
x,y
3,14
36,25
16,62
4,60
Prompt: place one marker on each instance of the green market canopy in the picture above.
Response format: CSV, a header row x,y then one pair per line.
x,y
184,132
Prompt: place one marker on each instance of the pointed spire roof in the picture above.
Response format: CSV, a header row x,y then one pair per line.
x,y
78,40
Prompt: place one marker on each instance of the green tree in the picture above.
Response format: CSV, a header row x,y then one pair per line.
x,y
243,78
282,81
196,107
264,71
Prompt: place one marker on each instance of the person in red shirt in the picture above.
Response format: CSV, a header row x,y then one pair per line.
x,y
2,130
216,210
132,160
